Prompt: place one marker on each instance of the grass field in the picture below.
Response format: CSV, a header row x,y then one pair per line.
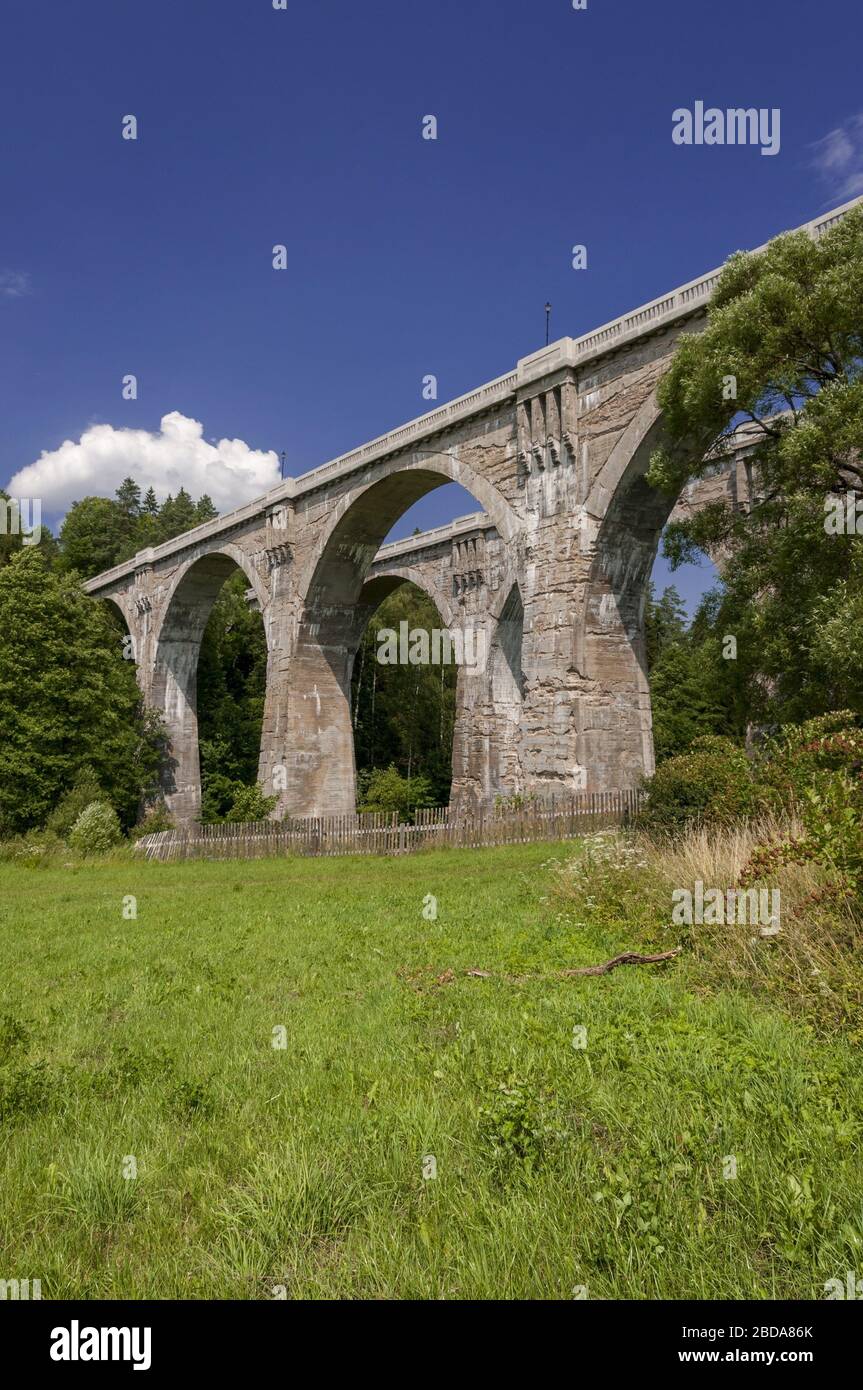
x,y
298,1171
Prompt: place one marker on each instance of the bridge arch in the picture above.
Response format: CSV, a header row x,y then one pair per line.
x,y
185,611
627,517
363,517
318,746
385,582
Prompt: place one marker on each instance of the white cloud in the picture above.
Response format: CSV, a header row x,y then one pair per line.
x,y
14,284
839,158
178,456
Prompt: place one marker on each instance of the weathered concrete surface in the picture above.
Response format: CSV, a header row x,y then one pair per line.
x,y
553,571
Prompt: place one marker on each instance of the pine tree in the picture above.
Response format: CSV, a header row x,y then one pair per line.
x,y
128,495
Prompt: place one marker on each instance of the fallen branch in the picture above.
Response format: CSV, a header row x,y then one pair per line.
x,y
628,958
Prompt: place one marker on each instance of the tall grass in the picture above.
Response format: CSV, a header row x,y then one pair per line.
x,y
265,1172
813,965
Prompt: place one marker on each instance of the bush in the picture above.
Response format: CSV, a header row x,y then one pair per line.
x,y
251,804
790,762
815,770
37,847
712,782
96,830
154,820
384,789
84,791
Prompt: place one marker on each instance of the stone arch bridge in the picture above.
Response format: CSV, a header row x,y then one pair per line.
x,y
553,573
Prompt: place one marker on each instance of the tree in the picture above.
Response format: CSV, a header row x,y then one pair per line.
x,y
101,532
177,514
68,700
128,496
93,536
785,330
689,693
686,697
664,622
11,539
384,789
404,715
232,675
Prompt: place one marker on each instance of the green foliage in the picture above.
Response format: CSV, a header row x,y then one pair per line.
x,y
518,1125
232,673
664,623
93,536
155,820
68,700
789,761
96,830
692,689
25,1091
100,532
816,769
712,781
812,770
33,850
686,693
12,541
191,1099
384,789
83,792
404,715
250,804
13,1035
788,325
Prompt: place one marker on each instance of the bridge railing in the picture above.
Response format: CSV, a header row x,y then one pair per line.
x,y
375,832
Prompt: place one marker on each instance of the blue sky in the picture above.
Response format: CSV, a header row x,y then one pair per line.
x,y
405,257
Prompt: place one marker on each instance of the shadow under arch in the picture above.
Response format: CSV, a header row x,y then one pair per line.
x,y
117,607
374,593
506,692
487,744
186,611
615,740
333,616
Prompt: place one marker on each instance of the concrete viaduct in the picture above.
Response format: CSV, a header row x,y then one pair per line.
x,y
553,571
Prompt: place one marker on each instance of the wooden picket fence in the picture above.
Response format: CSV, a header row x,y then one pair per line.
x,y
375,832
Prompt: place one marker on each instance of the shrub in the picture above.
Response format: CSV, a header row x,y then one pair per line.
x,y
251,804
154,820
96,830
712,782
789,763
816,770
37,847
384,789
84,791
